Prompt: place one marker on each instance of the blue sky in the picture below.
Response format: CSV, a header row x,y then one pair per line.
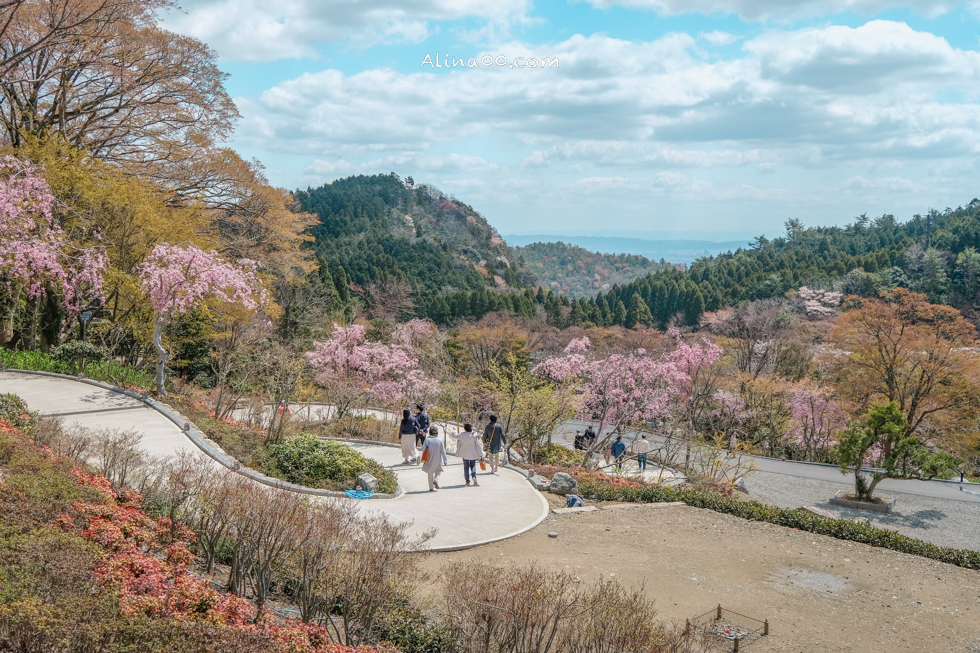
x,y
716,117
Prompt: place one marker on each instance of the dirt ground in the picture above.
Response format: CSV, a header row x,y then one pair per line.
x,y
819,593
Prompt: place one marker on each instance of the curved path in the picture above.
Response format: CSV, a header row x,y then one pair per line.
x,y
503,506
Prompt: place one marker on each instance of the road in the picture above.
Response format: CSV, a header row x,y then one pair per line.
x,y
969,492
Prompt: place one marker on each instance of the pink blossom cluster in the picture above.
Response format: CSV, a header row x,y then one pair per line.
x,y
815,420
36,254
388,373
179,278
820,303
731,408
617,390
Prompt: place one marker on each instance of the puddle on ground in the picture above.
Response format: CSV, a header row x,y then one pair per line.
x,y
807,579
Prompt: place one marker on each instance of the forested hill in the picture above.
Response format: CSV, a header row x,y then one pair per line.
x,y
861,258
381,228
576,271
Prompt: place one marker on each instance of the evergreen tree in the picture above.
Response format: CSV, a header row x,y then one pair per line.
x,y
619,317
638,313
342,286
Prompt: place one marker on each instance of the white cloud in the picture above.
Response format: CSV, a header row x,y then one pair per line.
x,y
853,112
257,30
720,38
777,9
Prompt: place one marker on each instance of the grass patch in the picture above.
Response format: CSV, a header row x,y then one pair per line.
x,y
307,460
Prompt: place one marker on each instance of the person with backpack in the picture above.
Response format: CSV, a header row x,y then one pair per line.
x,y
494,440
470,449
434,452
424,424
408,430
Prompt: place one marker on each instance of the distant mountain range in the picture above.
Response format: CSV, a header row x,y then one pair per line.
x,y
672,251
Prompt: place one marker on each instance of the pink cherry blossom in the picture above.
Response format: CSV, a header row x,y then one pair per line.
x,y
618,390
36,255
177,279
815,423
354,370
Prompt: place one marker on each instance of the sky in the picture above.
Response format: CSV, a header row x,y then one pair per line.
x,y
717,119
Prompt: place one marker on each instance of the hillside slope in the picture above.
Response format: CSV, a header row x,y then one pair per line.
x,y
575,271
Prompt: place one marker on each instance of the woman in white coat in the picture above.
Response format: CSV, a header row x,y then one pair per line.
x,y
437,459
469,447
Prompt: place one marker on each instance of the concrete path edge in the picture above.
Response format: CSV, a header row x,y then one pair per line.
x,y
205,444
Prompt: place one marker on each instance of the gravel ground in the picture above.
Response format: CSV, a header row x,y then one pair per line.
x,y
947,523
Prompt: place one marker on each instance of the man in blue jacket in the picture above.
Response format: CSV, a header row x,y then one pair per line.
x,y
618,449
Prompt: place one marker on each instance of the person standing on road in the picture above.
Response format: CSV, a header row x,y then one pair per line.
x,y
424,424
470,449
579,442
642,448
618,449
407,433
494,440
588,438
437,458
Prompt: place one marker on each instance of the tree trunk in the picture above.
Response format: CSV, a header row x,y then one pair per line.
x,y
161,353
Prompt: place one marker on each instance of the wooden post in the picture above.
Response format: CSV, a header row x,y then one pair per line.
x,y
718,616
765,629
735,650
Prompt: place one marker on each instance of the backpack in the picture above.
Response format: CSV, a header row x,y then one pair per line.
x,y
574,501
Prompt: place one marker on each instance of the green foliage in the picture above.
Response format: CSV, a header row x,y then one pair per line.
x,y
77,354
902,453
839,528
557,455
305,459
578,272
410,631
14,411
861,258
37,361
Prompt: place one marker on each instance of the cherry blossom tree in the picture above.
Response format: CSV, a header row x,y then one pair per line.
x,y
816,422
37,257
177,279
354,370
617,391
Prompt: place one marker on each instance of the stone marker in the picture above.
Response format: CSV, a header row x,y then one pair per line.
x,y
366,482
538,482
562,483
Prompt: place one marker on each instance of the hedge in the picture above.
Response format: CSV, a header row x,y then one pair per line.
x,y
37,361
841,529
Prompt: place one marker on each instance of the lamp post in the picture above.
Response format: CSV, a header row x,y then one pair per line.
x,y
85,318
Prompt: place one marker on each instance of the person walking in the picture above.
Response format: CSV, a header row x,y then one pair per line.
x,y
607,452
579,444
424,423
618,449
470,449
437,458
494,440
407,431
588,438
642,448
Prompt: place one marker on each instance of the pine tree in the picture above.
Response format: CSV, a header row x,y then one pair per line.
x,y
638,313
619,317
695,309
342,286
329,287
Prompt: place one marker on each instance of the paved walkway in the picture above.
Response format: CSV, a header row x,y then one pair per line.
x,y
503,506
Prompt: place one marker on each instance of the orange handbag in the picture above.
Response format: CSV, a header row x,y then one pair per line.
x,y
425,455
483,466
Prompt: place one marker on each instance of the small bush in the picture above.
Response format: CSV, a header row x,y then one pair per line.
x,y
557,455
14,412
307,460
839,528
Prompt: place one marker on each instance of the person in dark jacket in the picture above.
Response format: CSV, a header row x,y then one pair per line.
x,y
494,440
618,449
588,438
579,442
424,423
